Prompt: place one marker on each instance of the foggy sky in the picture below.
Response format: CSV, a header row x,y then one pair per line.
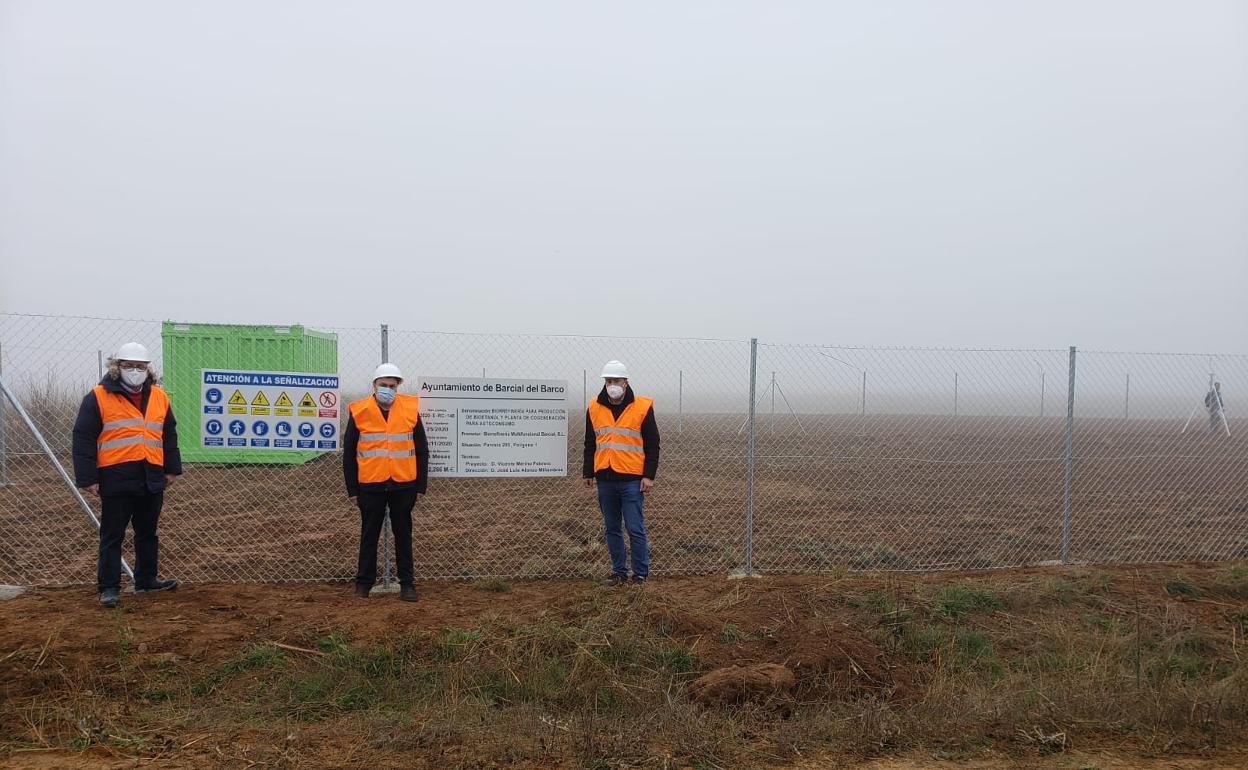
x,y
903,173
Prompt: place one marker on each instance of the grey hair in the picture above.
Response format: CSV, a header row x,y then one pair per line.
x,y
113,367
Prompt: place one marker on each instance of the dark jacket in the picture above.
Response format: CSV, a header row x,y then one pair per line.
x,y
649,441
132,478
351,463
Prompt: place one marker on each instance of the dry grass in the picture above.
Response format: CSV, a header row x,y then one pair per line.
x,y
1032,663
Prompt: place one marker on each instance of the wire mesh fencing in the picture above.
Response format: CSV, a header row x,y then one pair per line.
x,y
774,458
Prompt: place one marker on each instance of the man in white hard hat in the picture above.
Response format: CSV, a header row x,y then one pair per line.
x,y
125,446
385,462
621,459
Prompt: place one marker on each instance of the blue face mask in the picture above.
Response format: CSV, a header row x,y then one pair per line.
x,y
385,395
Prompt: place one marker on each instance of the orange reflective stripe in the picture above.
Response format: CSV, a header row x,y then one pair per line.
x,y
619,445
128,435
387,448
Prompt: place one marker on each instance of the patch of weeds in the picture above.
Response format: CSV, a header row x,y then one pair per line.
x,y
333,642
732,633
495,585
125,640
116,741
960,599
1060,590
1180,588
260,656
620,653
921,641
1241,619
152,695
1195,644
1186,667
203,686
1102,623
975,651
381,664
895,616
454,644
1233,582
881,557
314,687
544,684
674,659
358,697
1052,661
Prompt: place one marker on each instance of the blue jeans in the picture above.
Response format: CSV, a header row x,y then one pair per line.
x,y
621,502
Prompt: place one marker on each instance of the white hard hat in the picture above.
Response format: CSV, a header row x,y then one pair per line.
x,y
614,370
387,370
133,351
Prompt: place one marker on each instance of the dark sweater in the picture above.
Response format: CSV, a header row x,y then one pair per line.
x,y
649,439
132,478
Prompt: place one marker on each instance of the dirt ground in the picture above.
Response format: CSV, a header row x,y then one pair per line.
x,y
56,760
52,636
890,493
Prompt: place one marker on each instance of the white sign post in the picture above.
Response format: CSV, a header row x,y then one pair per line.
x,y
269,410
493,427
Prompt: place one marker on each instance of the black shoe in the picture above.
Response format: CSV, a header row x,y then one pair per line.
x,y
108,597
639,580
158,585
616,579
361,590
408,593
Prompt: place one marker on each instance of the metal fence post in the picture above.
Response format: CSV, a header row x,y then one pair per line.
x,y
747,569
60,469
4,428
385,523
680,403
1070,435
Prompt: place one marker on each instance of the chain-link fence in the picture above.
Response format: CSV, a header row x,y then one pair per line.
x,y
867,458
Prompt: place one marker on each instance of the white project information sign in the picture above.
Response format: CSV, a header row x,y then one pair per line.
x,y
495,427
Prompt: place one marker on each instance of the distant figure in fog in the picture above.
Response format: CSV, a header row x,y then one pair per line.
x,y
1213,403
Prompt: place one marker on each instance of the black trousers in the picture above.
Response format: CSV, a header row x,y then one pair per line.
x,y
373,507
116,512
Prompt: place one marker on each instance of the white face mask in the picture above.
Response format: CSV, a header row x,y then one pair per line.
x,y
615,392
385,395
134,377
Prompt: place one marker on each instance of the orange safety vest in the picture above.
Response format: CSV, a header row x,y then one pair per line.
x,y
620,447
128,434
387,450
